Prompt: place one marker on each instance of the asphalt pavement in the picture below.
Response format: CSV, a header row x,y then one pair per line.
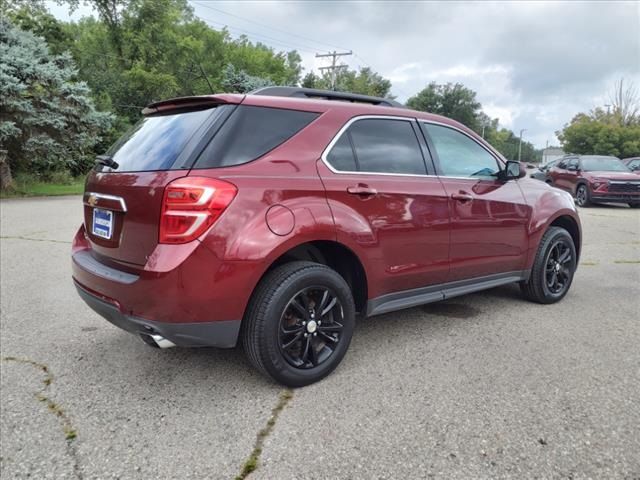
x,y
481,386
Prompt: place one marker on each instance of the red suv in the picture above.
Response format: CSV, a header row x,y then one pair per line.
x,y
273,219
596,178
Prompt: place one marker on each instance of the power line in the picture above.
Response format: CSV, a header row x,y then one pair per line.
x,y
267,26
258,35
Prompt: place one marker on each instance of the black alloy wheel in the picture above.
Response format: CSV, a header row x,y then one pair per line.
x,y
299,323
311,327
557,270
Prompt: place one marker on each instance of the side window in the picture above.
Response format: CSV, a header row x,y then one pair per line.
x,y
341,155
562,164
250,132
459,155
386,146
573,163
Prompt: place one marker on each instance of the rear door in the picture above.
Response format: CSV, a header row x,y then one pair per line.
x,y
122,203
489,217
384,201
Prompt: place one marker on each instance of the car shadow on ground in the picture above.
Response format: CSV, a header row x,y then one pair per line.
x,y
139,366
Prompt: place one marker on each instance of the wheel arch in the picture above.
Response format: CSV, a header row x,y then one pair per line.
x,y
332,254
570,225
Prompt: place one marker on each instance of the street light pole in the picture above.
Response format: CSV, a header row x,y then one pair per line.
x,y
520,144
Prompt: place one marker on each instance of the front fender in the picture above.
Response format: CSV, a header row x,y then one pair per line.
x,y
548,204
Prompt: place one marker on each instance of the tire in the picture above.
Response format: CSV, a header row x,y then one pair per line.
x,y
583,198
538,288
634,205
291,294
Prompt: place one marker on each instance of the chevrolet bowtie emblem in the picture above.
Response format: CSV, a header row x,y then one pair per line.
x,y
92,200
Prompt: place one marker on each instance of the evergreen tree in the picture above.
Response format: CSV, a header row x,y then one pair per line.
x,y
48,120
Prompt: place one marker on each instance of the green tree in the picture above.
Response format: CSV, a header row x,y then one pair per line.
x,y
240,81
595,134
452,100
364,81
34,17
162,51
48,120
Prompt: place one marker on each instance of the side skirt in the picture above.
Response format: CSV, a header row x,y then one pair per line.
x,y
391,302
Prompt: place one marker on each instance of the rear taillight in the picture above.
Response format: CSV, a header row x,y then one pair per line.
x,y
191,205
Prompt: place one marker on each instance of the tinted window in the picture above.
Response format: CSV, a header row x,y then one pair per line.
x,y
250,132
459,155
341,155
154,143
386,146
573,163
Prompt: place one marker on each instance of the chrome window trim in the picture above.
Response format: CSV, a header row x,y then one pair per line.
x,y
344,128
104,196
351,121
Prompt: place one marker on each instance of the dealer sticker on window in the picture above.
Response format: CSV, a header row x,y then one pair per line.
x,y
102,223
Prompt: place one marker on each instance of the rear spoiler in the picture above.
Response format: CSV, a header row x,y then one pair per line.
x,y
181,103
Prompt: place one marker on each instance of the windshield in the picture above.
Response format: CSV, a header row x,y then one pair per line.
x,y
603,164
154,143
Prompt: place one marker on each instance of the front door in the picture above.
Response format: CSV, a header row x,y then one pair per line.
x,y
489,217
385,205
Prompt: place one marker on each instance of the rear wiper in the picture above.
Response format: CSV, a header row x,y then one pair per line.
x,y
107,161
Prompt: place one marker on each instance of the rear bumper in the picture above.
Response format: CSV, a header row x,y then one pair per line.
x,y
221,334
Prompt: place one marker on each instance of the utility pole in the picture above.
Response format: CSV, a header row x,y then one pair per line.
x,y
608,109
520,144
333,69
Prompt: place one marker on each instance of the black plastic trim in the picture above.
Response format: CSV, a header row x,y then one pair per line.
x,y
314,93
85,260
221,334
434,293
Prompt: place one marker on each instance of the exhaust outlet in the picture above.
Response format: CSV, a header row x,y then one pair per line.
x,y
162,342
156,341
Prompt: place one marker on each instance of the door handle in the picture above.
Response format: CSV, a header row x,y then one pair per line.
x,y
362,190
462,197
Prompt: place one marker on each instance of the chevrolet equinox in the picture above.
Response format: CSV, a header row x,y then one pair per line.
x,y
274,219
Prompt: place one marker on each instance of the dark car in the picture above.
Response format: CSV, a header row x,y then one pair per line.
x,y
596,179
274,218
633,163
542,172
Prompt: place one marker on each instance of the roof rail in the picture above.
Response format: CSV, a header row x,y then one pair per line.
x,y
300,92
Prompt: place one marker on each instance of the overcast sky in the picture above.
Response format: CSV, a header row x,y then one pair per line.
x,y
534,65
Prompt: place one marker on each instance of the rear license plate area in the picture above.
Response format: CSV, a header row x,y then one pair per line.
x,y
102,225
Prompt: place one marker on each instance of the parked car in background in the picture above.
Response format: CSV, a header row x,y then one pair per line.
x,y
542,173
274,218
633,163
596,179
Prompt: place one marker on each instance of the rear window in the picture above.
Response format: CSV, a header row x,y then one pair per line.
x,y
250,132
156,142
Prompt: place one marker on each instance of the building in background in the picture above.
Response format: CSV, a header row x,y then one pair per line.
x,y
550,154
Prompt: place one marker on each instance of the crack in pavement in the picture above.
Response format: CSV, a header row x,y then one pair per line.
x,y
251,464
18,237
70,433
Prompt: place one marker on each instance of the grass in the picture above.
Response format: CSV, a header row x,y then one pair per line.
x,y
31,186
251,464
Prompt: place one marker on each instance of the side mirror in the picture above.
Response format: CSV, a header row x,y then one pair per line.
x,y
514,170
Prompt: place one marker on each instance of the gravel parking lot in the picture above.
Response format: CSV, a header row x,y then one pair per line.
x,y
481,386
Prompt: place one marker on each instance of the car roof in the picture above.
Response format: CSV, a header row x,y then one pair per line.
x,y
349,108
